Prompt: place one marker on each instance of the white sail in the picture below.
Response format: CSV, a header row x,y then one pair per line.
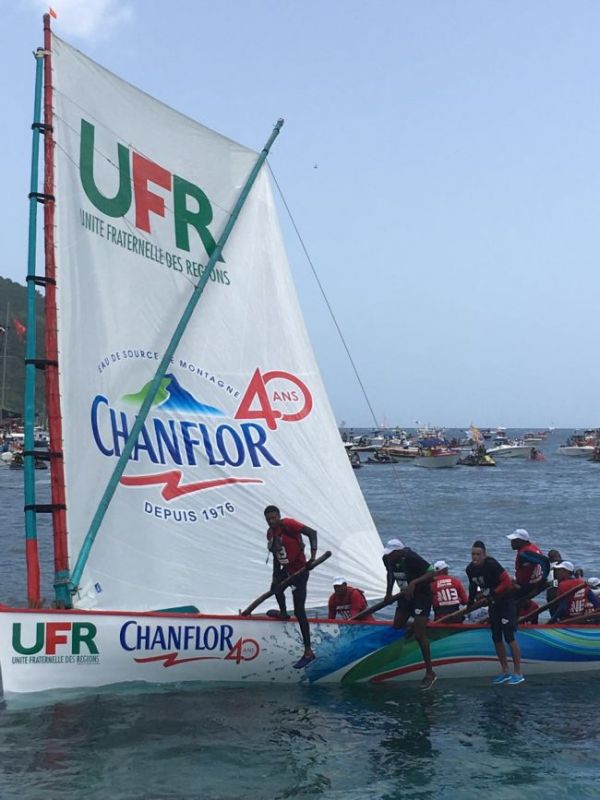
x,y
242,419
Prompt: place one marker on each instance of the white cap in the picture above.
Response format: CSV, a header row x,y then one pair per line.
x,y
519,533
594,583
440,565
339,581
393,544
565,565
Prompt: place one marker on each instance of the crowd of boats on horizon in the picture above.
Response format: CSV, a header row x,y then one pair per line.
x,y
424,447
432,448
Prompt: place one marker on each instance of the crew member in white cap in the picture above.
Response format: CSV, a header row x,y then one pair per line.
x,y
531,565
346,601
580,594
414,576
448,592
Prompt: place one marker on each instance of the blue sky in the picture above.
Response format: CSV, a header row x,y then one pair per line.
x,y
441,160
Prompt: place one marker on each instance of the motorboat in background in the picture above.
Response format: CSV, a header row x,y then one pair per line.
x,y
580,444
435,454
509,449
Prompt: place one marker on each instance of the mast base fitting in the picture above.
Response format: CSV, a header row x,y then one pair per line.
x,y
63,590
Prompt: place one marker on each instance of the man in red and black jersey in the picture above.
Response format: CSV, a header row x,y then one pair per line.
x,y
448,592
580,598
284,540
413,575
346,601
531,566
490,579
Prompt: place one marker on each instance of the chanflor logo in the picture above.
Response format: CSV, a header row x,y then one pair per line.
x,y
182,431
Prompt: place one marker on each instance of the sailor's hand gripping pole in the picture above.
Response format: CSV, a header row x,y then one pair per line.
x,y
164,365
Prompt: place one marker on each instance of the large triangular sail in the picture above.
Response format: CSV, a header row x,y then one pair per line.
x,y
241,419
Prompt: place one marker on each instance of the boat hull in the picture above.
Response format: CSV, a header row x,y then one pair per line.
x,y
510,451
60,650
576,451
437,461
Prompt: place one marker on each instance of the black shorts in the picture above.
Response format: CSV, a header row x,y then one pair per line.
x,y
504,619
418,606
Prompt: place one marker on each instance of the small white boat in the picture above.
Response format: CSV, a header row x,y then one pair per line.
x,y
510,450
401,452
580,444
581,450
532,439
437,458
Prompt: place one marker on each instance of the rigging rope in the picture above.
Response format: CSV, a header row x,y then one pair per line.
x,y
342,339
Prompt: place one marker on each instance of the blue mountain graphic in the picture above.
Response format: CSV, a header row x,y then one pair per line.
x,y
181,400
171,396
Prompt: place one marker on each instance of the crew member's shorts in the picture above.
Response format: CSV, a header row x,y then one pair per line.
x,y
504,619
418,606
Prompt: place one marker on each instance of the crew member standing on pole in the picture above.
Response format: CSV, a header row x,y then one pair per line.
x,y
284,540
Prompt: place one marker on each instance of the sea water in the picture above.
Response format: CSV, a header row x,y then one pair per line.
x,y
459,740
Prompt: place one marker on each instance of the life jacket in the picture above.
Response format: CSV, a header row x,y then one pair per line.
x,y
577,600
285,542
528,573
348,605
446,595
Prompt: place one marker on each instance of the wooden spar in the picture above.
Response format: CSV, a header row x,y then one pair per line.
x,y
164,365
284,584
377,606
557,599
31,540
590,615
536,589
57,475
461,611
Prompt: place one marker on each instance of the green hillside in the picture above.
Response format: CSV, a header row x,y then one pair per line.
x,y
13,308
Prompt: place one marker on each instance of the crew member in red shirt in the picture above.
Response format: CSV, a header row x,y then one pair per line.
x,y
575,604
448,592
531,566
346,601
527,607
284,540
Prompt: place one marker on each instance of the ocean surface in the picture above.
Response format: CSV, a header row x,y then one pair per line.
x,y
460,740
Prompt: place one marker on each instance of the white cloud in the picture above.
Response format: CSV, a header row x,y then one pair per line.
x,y
87,19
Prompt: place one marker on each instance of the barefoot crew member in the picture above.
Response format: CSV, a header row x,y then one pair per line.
x,y
284,540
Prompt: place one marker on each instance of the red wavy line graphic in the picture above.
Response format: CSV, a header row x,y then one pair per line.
x,y
172,483
171,659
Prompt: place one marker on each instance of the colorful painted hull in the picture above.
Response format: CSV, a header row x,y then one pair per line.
x,y
46,650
